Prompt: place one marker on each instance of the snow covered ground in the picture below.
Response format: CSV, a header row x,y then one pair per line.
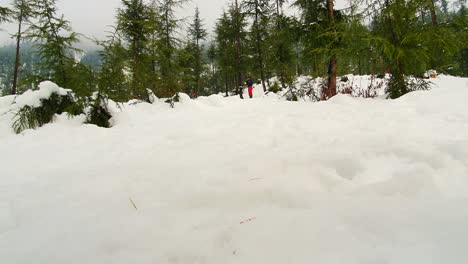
x,y
220,180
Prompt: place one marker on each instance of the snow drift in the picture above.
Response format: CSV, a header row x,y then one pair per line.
x,y
221,180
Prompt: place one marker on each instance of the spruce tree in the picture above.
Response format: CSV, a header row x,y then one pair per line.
x,y
154,28
111,77
280,41
54,39
260,11
238,23
211,56
458,23
187,64
4,14
332,66
281,57
399,34
225,50
197,34
168,48
22,13
321,16
132,22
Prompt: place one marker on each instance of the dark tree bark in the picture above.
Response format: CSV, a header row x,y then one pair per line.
x,y
259,47
14,88
332,66
433,12
238,52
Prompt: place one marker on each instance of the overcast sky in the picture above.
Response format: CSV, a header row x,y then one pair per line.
x,y
92,18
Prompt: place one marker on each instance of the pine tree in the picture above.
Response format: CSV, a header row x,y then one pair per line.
x,y
154,28
111,78
4,14
212,56
322,17
54,40
259,10
197,33
399,35
187,64
225,50
458,23
168,48
238,20
432,9
22,13
132,19
281,57
231,39
332,66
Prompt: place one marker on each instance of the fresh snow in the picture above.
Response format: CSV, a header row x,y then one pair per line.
x,y
224,180
33,98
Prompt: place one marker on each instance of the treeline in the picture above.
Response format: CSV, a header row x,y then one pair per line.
x,y
144,53
30,64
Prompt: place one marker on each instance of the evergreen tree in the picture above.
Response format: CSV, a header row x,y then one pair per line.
x,y
112,79
168,45
332,66
401,40
231,43
432,8
225,50
281,56
259,10
154,28
187,63
459,23
323,18
22,13
197,33
54,40
4,14
238,22
213,79
132,22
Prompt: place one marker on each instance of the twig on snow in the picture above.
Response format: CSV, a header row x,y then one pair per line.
x,y
255,179
134,205
248,220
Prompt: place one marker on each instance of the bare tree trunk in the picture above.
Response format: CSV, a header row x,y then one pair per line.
x,y
259,48
135,78
298,67
278,4
17,59
226,83
332,66
279,12
197,71
433,12
238,53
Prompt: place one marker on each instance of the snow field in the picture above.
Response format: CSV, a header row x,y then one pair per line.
x,y
220,180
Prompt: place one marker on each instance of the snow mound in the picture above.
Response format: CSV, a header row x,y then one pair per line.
x,y
262,180
307,88
212,100
33,98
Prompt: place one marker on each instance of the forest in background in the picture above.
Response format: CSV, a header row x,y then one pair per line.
x,y
145,54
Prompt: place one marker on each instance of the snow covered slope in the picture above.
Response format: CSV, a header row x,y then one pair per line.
x,y
220,180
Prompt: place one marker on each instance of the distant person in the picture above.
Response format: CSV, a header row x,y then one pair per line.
x,y
250,86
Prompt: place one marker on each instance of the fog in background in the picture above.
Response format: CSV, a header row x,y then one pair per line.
x,y
93,18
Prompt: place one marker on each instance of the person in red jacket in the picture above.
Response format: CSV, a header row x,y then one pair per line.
x,y
250,86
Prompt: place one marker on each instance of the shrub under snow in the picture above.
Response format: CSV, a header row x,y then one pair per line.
x,y
39,107
307,88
